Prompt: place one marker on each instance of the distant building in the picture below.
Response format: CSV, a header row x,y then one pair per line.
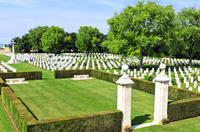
x,y
4,48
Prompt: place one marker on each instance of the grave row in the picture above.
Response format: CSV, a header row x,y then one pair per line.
x,y
182,77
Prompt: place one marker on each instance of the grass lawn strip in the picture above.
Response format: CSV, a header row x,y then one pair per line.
x,y
186,125
66,97
5,124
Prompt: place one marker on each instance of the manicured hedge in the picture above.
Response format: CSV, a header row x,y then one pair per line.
x,y
104,75
34,75
70,73
108,121
20,115
180,93
2,83
143,85
183,109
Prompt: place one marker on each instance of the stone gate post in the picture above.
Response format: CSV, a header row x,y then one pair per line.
x,y
161,95
124,97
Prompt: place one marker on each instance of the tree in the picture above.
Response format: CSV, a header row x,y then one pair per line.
x,y
17,40
70,45
142,30
88,39
54,39
189,21
22,44
35,36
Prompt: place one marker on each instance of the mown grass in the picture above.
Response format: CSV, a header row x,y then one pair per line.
x,y
50,98
65,97
24,67
5,124
187,125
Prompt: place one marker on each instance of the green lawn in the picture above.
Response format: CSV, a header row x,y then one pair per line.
x,y
24,67
5,124
187,125
65,97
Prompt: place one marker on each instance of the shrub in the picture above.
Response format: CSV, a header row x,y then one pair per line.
x,y
142,85
107,121
34,75
20,115
165,121
70,73
183,109
149,77
2,83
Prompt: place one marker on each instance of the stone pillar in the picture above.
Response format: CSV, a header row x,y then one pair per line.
x,y
124,97
161,95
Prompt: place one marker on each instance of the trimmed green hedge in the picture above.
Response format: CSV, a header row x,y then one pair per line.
x,y
16,109
179,93
2,83
183,109
106,76
108,121
186,103
34,75
70,73
143,85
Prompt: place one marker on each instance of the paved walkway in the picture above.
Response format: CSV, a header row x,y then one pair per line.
x,y
144,125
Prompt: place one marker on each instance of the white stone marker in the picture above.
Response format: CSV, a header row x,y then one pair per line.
x,y
161,95
13,57
124,97
199,89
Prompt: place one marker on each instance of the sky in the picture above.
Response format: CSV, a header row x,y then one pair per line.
x,y
17,17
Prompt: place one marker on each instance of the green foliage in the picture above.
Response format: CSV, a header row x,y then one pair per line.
x,y
22,44
88,39
35,75
2,83
141,30
183,109
186,34
53,40
70,46
179,94
35,36
142,85
165,121
20,115
108,121
149,78
100,121
70,73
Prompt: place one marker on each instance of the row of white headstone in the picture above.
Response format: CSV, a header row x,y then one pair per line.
x,y
107,57
5,66
107,61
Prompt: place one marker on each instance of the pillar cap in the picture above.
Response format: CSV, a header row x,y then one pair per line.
x,y
162,77
124,79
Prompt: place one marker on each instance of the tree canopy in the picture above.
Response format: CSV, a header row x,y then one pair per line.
x,y
53,39
189,34
88,39
35,36
141,30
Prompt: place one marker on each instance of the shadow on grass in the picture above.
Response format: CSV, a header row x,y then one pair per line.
x,y
140,119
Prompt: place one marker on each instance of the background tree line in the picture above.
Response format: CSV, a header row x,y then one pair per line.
x,y
55,40
147,29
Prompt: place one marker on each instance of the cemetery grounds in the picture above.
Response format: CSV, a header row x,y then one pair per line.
x,y
82,96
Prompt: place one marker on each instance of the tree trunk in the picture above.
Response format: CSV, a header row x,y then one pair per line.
x,y
190,60
141,62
